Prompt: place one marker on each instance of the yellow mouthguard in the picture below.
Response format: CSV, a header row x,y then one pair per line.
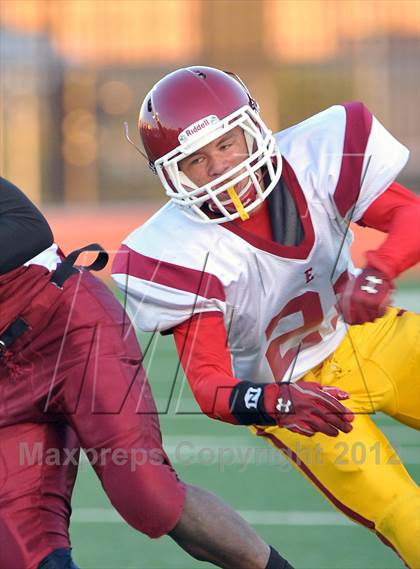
x,y
237,203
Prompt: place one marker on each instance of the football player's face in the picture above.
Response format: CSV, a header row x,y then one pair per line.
x,y
216,158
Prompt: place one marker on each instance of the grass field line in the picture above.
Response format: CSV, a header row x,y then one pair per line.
x,y
255,517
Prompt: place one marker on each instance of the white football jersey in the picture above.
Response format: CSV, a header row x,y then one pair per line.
x,y
49,258
279,302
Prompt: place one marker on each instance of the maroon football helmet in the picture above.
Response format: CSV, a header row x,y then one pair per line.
x,y
190,108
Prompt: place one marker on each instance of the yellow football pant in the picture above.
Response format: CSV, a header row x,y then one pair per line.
x,y
359,472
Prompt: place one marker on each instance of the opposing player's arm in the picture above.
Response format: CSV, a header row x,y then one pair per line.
x,y
24,232
397,213
203,348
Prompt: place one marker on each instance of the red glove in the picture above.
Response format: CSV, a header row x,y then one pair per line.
x,y
366,297
303,407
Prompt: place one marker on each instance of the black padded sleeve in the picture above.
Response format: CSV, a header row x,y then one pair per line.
x,y
24,231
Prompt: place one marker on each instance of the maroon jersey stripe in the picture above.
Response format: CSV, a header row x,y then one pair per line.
x,y
130,262
358,127
300,251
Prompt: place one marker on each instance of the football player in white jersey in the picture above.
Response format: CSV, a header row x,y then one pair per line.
x,y
249,266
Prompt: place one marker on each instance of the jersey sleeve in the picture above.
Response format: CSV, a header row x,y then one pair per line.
x,y
160,295
203,350
344,158
396,212
370,161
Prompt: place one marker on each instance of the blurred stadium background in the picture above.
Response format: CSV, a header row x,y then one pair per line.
x,y
71,72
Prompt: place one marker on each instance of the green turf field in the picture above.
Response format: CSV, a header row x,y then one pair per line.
x,y
241,469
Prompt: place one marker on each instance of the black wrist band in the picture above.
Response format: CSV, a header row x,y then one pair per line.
x,y
247,404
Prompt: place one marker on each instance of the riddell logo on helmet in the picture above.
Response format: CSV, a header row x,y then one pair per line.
x,y
197,127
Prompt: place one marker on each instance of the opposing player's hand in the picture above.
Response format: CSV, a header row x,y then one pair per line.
x,y
303,407
366,297
307,408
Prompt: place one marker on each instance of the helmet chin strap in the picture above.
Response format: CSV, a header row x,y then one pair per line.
x,y
236,199
239,195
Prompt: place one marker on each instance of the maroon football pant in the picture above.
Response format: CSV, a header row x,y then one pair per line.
x,y
75,376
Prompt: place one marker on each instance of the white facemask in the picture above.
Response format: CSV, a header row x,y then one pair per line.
x,y
263,153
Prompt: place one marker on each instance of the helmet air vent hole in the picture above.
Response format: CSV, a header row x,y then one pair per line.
x,y
149,105
200,74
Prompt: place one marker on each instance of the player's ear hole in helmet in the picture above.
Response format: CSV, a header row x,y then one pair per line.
x,y
191,108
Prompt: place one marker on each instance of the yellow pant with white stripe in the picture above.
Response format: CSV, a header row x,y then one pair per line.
x,y
359,472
